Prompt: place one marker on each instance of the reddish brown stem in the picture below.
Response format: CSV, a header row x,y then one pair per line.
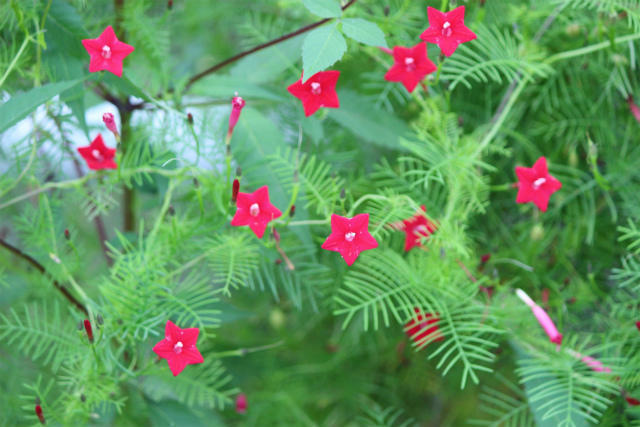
x,y
241,55
44,271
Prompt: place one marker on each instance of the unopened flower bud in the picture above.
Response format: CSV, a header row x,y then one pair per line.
x,y
276,235
87,327
40,414
235,190
110,122
171,211
278,261
100,320
342,193
196,183
190,118
170,5
237,104
241,403
67,235
292,211
238,171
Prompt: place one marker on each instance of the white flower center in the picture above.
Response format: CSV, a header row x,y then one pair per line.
x,y
96,154
538,183
350,236
409,63
254,209
106,52
446,29
315,88
178,347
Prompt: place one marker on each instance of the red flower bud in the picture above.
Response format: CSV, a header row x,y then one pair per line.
x,y
237,104
545,296
241,403
190,118
638,325
39,414
87,327
234,192
276,235
110,122
170,4
485,258
292,211
634,108
278,261
67,235
632,401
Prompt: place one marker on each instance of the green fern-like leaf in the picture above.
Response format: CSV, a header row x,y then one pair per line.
x,y
493,56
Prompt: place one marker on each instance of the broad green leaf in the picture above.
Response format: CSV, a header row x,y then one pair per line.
x,y
324,8
321,49
363,31
367,122
18,106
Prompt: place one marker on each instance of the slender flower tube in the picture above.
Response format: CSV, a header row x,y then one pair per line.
x,y
594,364
542,316
633,108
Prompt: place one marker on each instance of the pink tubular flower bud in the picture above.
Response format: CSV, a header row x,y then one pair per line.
x,y
40,415
595,364
110,123
241,403
386,50
635,111
237,104
542,316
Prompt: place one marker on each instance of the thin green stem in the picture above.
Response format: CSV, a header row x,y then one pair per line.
x,y
15,59
589,49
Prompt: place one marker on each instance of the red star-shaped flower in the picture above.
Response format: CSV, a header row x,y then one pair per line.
x,y
318,91
415,228
411,65
179,347
255,210
536,185
98,156
107,52
447,30
417,328
350,236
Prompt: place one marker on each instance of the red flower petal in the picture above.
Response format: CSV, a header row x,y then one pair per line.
x,y
350,237
318,91
536,185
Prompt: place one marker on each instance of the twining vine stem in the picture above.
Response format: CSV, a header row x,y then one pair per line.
x,y
31,260
280,39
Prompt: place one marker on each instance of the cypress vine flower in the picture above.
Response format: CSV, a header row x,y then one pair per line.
x,y
178,347
417,328
536,185
255,210
318,91
411,65
98,156
542,316
241,403
107,52
415,228
638,325
350,236
447,30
